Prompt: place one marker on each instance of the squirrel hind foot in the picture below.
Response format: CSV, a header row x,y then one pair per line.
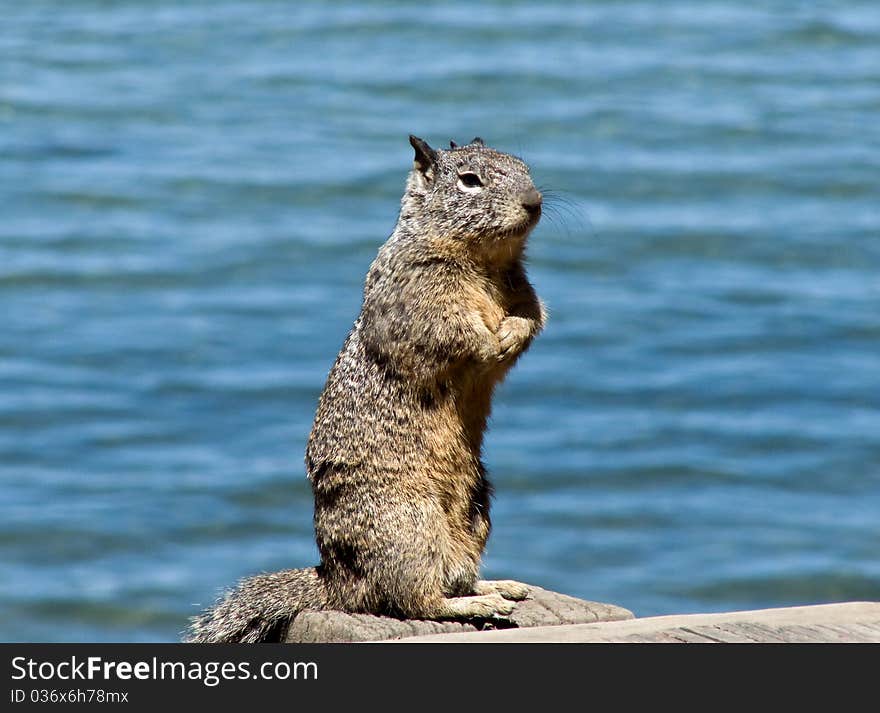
x,y
507,588
481,606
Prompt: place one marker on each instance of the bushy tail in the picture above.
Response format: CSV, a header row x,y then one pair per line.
x,y
259,608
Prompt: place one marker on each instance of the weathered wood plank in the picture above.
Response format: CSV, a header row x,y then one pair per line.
x,y
689,636
803,634
839,622
723,633
869,629
657,637
761,633
844,633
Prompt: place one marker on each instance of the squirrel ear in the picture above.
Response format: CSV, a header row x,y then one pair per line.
x,y
453,145
425,155
478,141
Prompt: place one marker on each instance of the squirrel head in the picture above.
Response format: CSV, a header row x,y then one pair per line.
x,y
471,194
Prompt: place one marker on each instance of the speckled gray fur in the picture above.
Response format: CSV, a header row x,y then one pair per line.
x,y
401,495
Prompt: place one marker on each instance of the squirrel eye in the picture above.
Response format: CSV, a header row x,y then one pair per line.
x,y
470,180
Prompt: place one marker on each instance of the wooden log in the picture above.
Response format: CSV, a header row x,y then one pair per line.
x,y
540,608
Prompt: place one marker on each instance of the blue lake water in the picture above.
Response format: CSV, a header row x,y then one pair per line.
x,y
192,192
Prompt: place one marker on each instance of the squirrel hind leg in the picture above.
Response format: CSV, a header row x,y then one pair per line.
x,y
481,606
507,588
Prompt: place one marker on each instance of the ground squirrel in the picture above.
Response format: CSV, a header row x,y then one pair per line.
x,y
401,495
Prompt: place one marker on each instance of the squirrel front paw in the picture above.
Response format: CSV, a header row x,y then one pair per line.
x,y
514,335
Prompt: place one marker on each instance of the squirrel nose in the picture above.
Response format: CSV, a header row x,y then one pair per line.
x,y
531,200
